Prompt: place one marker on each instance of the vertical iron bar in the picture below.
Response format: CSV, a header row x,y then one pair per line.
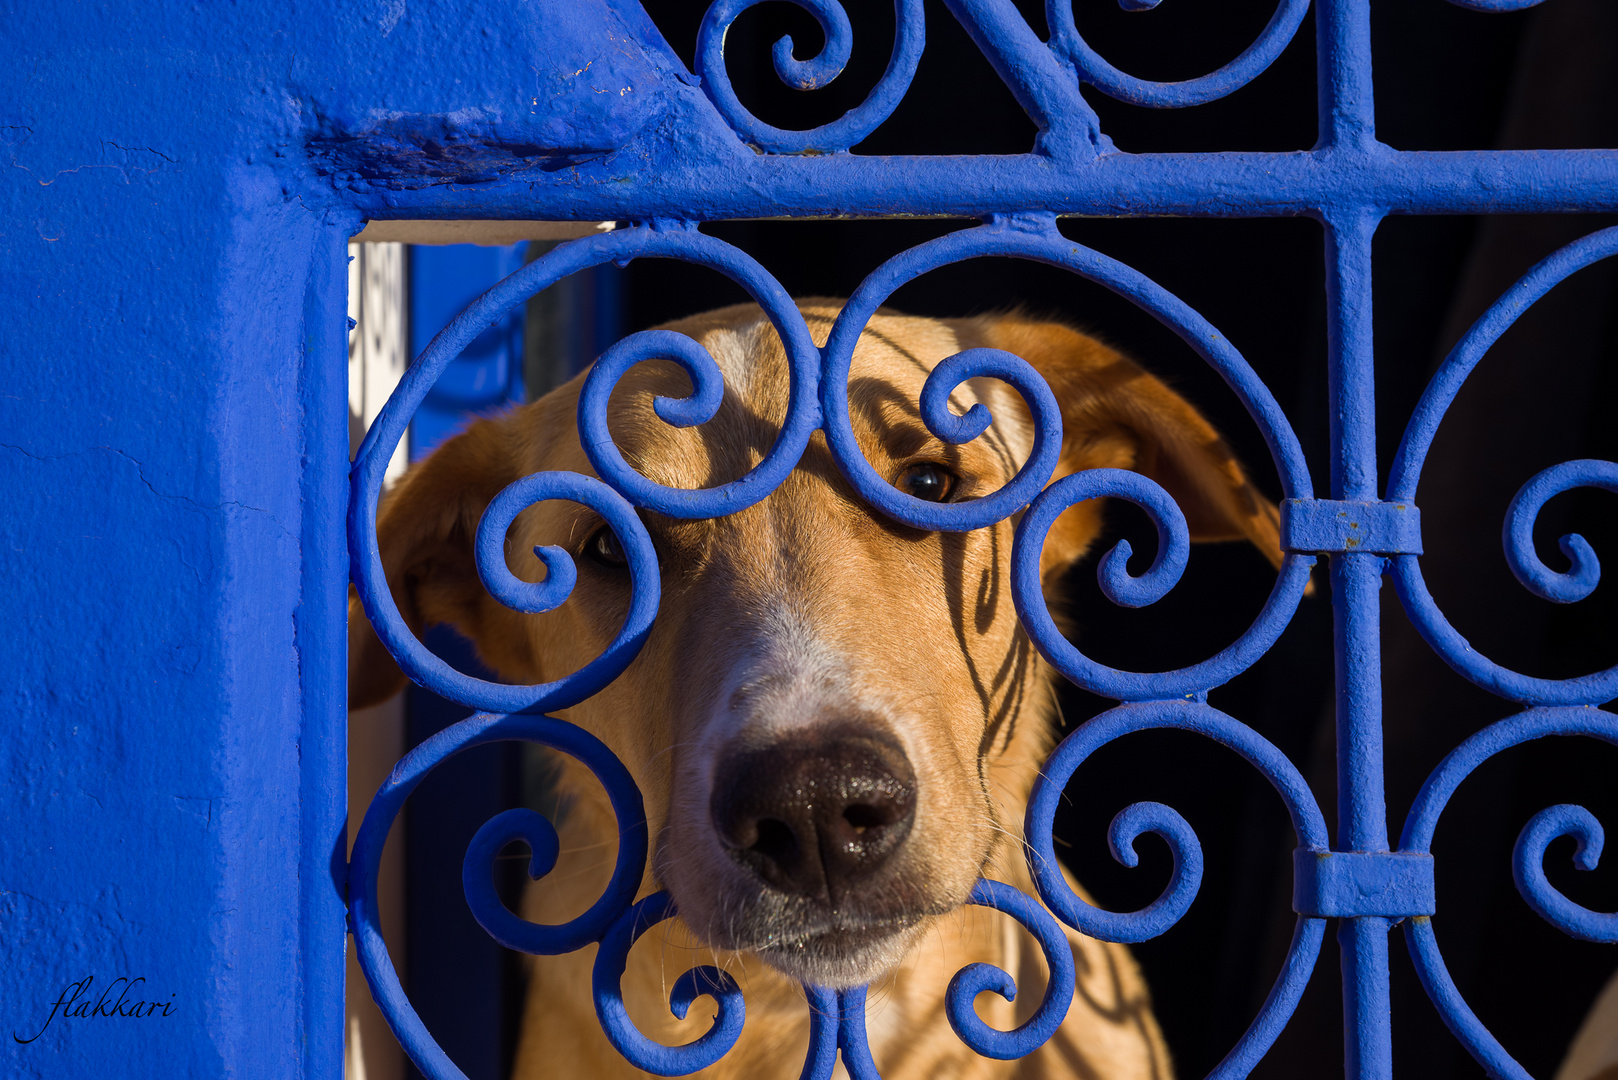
x,y
1348,126
1361,816
1356,580
1343,74
1367,1009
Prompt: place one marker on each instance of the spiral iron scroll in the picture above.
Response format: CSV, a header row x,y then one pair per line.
x,y
1066,43
1405,473
811,74
1527,863
819,400
1097,72
366,858
1557,707
1174,700
1134,821
1035,237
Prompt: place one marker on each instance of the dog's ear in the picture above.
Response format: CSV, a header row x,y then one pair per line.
x,y
425,530
1115,415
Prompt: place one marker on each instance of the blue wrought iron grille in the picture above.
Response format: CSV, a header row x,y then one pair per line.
x,y
726,163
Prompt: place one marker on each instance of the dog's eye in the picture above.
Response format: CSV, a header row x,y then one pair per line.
x,y
603,549
928,481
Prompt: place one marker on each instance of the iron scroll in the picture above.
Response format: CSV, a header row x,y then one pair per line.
x,y
1349,182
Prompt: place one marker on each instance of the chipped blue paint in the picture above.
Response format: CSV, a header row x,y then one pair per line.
x,y
1329,525
180,184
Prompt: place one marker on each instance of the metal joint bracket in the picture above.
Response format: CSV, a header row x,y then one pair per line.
x,y
1319,526
1346,884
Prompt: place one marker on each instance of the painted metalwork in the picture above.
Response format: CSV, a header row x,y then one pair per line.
x,y
1349,182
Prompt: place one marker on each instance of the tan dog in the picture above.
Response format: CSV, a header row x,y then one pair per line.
x,y
836,720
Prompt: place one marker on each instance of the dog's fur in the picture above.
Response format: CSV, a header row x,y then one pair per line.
x,y
806,613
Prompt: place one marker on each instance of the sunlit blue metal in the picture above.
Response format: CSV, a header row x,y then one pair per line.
x,y
430,671
1500,736
1329,525
1497,5
1166,910
1349,884
667,239
733,165
1232,184
811,74
366,479
837,1018
972,980
852,1042
1173,547
1581,578
1033,237
1067,41
1527,862
1528,870
1405,473
837,1028
1177,896
1038,78
373,834
707,980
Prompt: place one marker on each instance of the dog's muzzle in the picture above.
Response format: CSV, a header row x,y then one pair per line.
x,y
819,816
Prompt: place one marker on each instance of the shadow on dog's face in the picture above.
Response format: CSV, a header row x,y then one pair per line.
x,y
835,719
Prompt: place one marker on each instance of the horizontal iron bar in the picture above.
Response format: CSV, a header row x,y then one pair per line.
x,y
750,185
1318,526
1350,884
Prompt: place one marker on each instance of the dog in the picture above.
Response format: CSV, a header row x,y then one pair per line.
x,y
836,720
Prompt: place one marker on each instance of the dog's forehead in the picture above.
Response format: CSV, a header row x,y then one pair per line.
x,y
899,350
747,348
891,362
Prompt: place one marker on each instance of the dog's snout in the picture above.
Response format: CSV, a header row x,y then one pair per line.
x,y
816,815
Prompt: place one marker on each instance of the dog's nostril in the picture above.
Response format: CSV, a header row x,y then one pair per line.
x,y
816,814
776,841
864,816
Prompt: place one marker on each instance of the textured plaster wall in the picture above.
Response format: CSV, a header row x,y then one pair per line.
x,y
176,182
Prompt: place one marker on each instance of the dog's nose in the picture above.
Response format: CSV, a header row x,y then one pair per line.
x,y
817,814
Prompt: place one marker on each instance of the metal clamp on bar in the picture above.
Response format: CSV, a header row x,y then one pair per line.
x,y
1318,526
1345,884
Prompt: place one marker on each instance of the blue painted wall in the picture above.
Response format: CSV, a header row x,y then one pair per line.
x,y
177,184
